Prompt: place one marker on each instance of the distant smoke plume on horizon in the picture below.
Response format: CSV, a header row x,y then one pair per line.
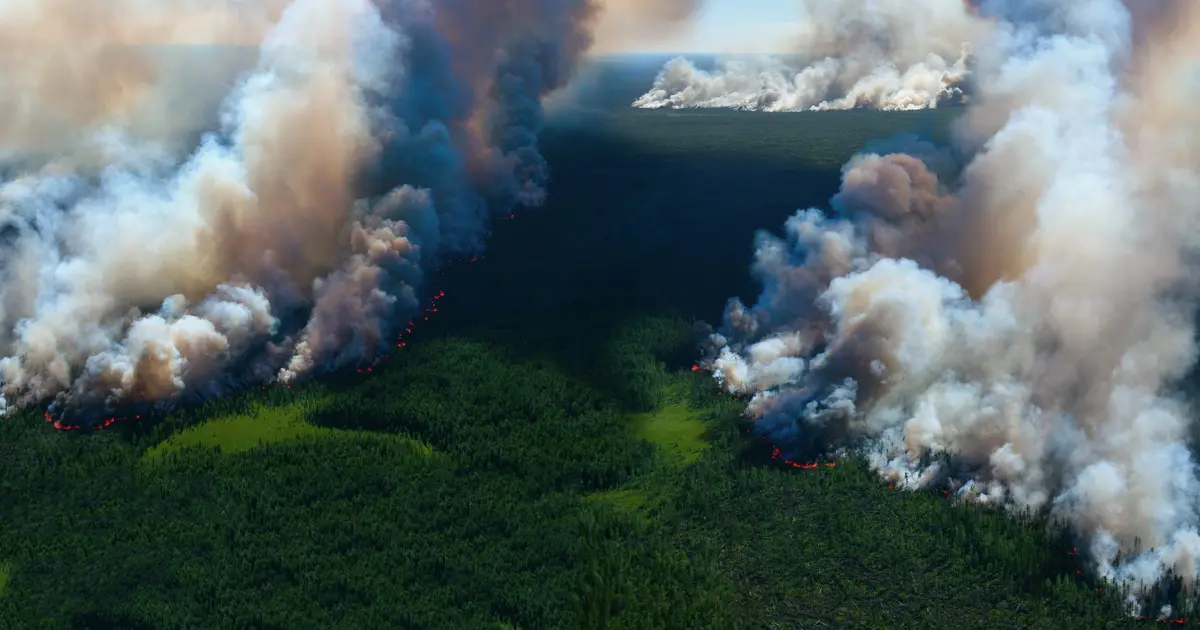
x,y
879,54
189,218
1028,309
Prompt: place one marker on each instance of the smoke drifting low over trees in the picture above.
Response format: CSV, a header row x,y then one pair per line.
x,y
889,54
196,195
1027,308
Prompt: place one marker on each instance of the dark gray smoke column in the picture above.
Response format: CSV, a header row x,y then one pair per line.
x,y
1031,317
366,142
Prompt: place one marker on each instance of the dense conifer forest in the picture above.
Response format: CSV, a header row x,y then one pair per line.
x,y
540,454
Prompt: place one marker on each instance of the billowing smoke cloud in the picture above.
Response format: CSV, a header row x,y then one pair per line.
x,y
180,213
1027,310
883,54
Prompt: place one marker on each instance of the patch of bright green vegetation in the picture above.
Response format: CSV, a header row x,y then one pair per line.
x,y
5,574
544,509
628,500
674,425
675,429
242,432
265,424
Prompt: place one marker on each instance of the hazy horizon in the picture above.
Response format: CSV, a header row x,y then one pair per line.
x,y
726,27
720,27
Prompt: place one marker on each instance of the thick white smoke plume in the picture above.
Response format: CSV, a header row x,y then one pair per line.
x,y
882,54
195,195
1029,310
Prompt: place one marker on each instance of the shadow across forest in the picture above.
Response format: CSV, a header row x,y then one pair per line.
x,y
649,212
490,475
623,232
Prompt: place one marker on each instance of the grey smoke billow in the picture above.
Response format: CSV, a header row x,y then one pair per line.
x,y
881,54
197,195
1028,311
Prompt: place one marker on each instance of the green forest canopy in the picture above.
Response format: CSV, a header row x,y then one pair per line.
x,y
540,457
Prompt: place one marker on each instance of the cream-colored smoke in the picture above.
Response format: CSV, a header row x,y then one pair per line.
x,y
157,277
196,195
78,73
882,54
1032,318
625,25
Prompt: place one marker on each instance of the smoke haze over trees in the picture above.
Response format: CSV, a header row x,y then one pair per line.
x,y
889,54
184,215
1022,302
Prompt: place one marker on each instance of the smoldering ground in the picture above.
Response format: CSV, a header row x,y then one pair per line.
x,y
1024,300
